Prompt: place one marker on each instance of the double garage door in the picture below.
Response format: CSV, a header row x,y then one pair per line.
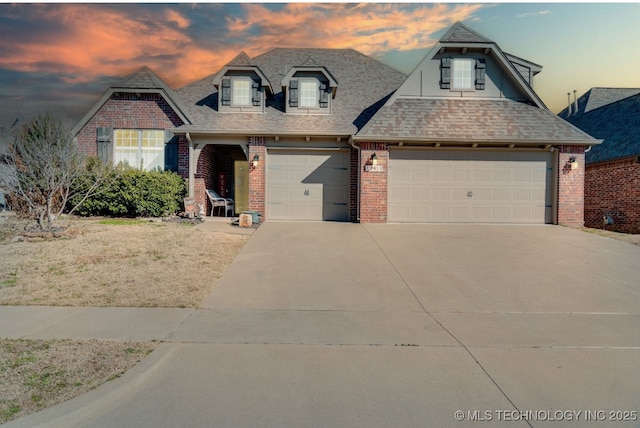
x,y
307,185
473,187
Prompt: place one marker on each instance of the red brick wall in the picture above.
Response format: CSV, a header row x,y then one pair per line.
x,y
373,185
613,189
127,111
257,175
570,187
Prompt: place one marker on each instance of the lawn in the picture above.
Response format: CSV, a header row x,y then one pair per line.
x,y
90,262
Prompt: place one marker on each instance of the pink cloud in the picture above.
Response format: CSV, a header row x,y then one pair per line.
x,y
93,40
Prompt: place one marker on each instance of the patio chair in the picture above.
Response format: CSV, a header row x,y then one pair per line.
x,y
219,202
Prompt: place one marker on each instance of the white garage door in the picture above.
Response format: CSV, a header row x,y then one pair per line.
x,y
474,187
308,185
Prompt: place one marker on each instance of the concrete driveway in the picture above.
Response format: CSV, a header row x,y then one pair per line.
x,y
346,325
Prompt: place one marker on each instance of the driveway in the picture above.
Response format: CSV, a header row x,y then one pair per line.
x,y
346,325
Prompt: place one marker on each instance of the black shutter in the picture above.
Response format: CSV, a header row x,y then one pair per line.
x,y
255,98
293,93
445,73
226,92
170,151
324,95
480,73
105,148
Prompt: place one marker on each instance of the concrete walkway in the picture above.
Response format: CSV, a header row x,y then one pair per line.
x,y
345,325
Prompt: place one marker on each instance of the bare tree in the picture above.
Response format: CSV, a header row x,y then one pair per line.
x,y
41,165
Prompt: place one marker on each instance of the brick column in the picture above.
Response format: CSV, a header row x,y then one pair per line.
x,y
257,175
571,187
373,184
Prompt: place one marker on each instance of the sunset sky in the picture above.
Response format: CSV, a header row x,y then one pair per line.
x,y
62,57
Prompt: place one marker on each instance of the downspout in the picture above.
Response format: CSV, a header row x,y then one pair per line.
x,y
352,144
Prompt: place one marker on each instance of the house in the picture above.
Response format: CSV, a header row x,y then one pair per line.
x,y
612,176
332,134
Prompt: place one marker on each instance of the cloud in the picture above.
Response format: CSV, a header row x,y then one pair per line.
x,y
370,28
533,14
77,49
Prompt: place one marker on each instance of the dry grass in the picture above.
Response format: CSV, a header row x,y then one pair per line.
x,y
626,237
36,374
145,264
86,263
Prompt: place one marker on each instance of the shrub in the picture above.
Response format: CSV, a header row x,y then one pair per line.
x,y
133,193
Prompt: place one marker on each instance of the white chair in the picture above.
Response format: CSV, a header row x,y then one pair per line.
x,y
218,201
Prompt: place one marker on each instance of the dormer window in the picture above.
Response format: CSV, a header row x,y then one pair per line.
x,y
309,93
463,73
242,87
309,89
241,92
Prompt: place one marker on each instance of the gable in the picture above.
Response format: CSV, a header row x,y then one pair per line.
x,y
493,74
140,83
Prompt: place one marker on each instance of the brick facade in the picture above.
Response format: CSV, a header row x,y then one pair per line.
x,y
571,186
257,175
612,192
373,184
127,111
353,185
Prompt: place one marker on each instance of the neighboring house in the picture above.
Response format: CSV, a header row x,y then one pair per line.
x,y
612,182
332,134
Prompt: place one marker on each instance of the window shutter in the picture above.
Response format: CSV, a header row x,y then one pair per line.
x,y
324,95
226,92
255,98
104,148
293,93
445,73
480,73
170,151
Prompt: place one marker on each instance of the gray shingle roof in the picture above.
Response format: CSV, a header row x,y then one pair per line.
x,y
469,120
617,123
143,78
364,85
597,97
459,33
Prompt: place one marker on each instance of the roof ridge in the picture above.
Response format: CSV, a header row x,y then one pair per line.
x,y
461,33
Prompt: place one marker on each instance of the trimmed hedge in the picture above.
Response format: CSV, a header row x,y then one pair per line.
x,y
130,192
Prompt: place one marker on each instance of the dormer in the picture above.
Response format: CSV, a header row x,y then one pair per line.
x,y
465,64
309,89
242,86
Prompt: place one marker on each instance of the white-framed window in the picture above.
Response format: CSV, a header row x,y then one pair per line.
x,y
139,148
309,93
241,92
463,73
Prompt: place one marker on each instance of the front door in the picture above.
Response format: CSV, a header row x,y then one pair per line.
x,y
241,185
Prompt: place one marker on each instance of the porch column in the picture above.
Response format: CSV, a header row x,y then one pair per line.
x,y
257,175
194,154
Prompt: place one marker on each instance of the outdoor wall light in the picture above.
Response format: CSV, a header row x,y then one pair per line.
x,y
573,162
374,159
255,161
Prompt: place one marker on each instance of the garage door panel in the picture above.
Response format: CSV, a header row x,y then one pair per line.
x,y
462,186
307,185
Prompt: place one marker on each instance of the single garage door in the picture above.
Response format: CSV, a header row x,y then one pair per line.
x,y
307,185
474,187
